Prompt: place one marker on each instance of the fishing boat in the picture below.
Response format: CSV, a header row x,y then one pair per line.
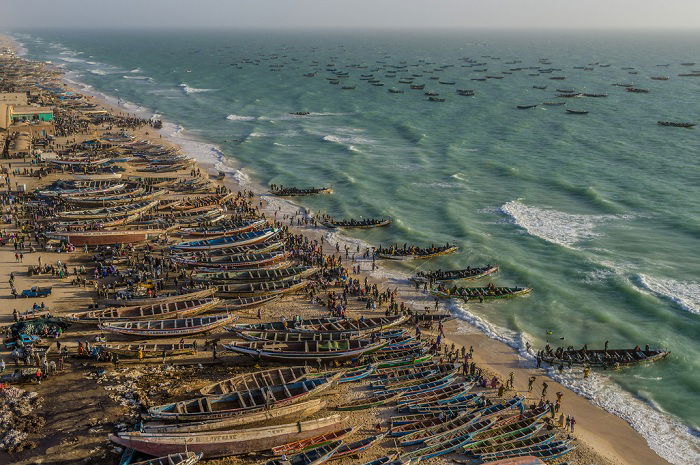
x,y
480,293
366,402
179,327
436,450
257,275
312,443
356,224
463,431
313,456
468,273
523,460
676,124
108,212
576,112
162,299
180,309
547,451
429,421
280,325
360,325
225,443
266,288
287,336
295,191
229,241
439,395
499,445
357,447
390,361
240,303
607,358
356,375
256,380
409,253
637,90
307,351
148,350
233,229
183,458
242,401
233,262
89,238
296,411
526,107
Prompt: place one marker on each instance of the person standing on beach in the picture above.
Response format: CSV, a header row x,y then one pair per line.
x,y
572,422
544,389
530,382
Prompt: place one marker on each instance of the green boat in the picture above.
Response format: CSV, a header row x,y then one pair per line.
x,y
400,362
480,293
369,402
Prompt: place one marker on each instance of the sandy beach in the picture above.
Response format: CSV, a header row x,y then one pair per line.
x,y
89,400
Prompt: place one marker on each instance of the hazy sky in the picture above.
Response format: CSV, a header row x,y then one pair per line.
x,y
528,14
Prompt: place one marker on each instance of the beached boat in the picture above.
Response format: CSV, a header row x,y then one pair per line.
x,y
391,361
501,443
523,460
233,262
480,293
547,451
148,350
229,230
366,402
180,309
256,380
257,275
357,447
242,401
603,358
360,325
80,239
468,273
280,325
267,288
240,303
108,212
310,443
179,327
307,351
225,443
439,394
228,241
183,458
296,411
314,456
287,336
163,299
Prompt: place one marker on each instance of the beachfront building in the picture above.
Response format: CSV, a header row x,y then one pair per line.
x,y
15,109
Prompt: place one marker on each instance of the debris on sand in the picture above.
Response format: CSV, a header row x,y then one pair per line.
x,y
18,419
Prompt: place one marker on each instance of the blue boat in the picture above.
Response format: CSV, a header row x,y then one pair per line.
x,y
357,374
229,241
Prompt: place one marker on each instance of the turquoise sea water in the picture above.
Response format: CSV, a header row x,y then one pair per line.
x,y
598,213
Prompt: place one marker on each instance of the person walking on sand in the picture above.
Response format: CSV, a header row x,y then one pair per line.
x,y
530,382
572,422
511,380
544,389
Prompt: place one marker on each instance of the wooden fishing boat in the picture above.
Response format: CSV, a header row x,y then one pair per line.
x,y
267,288
388,362
441,395
418,253
361,325
356,224
258,275
310,443
480,293
148,350
262,247
279,325
241,303
230,230
576,112
387,460
137,196
399,378
421,377
241,402
356,375
452,275
391,373
225,443
229,241
369,402
466,402
80,239
357,447
96,188
436,450
490,446
200,294
420,436
608,358
180,309
183,458
248,261
256,380
428,422
296,411
398,420
307,351
168,328
314,456
462,431
108,212
295,191
528,460
547,451
430,385
285,336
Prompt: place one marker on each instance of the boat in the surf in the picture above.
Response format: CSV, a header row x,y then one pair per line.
x,y
637,90
356,224
413,252
284,191
468,273
603,357
178,327
242,401
266,288
526,107
676,124
256,380
307,351
229,442
480,293
576,112
179,309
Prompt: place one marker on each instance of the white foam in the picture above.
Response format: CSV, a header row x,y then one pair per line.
x,y
135,70
459,176
554,226
193,90
684,293
233,117
99,72
346,140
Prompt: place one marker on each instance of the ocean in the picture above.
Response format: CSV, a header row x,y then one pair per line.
x,y
598,213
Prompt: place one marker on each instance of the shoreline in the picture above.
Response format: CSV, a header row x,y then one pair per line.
x,y
612,437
